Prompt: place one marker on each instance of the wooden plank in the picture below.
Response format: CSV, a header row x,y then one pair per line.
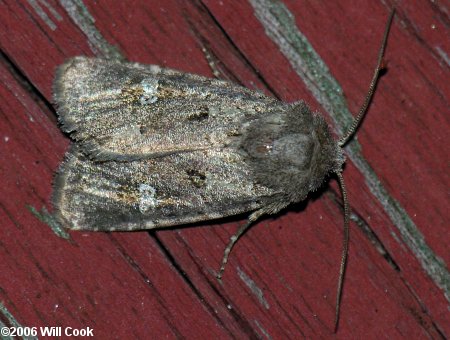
x,y
281,278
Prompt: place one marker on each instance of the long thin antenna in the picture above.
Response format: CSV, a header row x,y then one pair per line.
x,y
362,111
342,141
344,248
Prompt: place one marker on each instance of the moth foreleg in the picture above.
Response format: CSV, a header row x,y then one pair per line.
x,y
268,209
212,63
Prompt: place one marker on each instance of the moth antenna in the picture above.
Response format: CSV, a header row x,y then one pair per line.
x,y
344,248
380,66
342,141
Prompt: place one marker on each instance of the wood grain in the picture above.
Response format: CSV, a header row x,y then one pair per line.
x,y
281,278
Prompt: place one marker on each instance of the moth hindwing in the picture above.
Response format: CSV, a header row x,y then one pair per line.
x,y
155,147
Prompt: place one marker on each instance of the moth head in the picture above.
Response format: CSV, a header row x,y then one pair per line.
x,y
292,151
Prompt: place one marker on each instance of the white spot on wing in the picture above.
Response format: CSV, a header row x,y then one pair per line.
x,y
147,198
149,224
150,87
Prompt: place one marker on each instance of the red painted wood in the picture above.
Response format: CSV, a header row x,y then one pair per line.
x,y
162,284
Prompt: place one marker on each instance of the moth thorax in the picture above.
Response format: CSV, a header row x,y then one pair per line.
x,y
294,149
291,152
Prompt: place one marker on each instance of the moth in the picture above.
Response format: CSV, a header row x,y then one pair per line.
x,y
154,147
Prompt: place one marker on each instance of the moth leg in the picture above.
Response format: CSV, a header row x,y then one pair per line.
x,y
211,62
207,52
217,67
269,209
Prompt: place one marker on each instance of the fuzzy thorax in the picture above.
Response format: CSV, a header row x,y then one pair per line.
x,y
292,151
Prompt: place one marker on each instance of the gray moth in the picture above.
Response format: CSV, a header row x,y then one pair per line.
x,y
155,147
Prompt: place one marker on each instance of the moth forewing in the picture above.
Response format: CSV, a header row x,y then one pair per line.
x,y
163,191
124,111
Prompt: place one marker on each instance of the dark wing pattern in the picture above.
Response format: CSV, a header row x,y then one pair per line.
x,y
144,194
154,147
126,111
